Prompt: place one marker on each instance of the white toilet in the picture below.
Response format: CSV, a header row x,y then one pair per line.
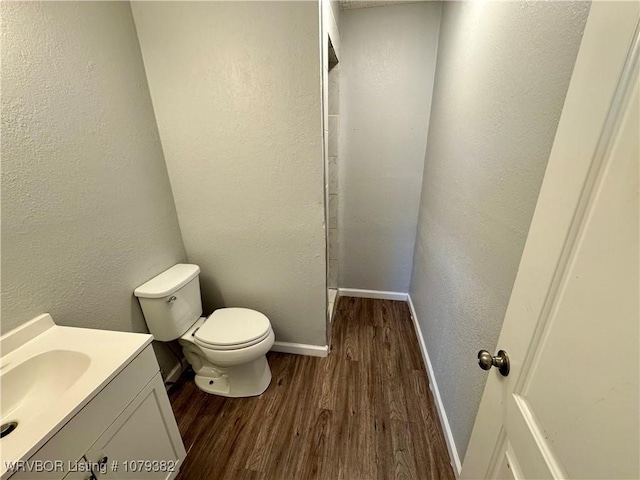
x,y
227,349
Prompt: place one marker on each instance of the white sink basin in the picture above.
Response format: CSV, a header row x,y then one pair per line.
x,y
48,373
38,381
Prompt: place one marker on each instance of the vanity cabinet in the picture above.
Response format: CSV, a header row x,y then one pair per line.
x,y
127,431
139,444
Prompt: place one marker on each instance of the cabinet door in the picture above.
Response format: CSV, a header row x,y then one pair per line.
x,y
143,442
79,473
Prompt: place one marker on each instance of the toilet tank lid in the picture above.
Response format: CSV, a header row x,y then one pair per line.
x,y
168,281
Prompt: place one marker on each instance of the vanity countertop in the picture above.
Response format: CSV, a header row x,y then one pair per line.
x,y
48,373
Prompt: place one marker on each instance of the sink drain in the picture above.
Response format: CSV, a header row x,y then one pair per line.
x,y
7,428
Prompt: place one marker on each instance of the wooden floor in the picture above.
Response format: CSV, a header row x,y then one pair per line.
x,y
364,412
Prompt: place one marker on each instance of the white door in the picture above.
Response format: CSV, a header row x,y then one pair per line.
x,y
569,407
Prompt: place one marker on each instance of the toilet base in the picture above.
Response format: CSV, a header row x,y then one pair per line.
x,y
247,380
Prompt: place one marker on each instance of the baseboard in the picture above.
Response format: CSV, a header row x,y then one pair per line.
x,y
444,421
356,292
300,349
174,375
282,347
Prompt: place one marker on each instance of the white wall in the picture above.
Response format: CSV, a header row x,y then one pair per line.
x,y
87,210
386,76
237,96
502,75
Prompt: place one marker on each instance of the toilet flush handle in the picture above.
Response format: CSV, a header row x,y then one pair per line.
x,y
172,299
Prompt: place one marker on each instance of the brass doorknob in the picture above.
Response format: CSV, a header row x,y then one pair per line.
x,y
501,361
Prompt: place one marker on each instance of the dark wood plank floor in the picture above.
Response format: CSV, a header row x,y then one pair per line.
x,y
364,412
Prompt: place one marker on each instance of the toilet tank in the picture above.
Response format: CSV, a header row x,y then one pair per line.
x,y
171,301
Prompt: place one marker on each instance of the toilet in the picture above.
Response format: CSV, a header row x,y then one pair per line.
x,y
227,349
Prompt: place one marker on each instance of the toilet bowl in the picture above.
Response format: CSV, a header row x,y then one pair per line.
x,y
227,349
229,363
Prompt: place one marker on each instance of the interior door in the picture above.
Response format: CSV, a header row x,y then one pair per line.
x,y
569,407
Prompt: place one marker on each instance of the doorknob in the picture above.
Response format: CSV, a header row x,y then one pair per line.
x,y
501,361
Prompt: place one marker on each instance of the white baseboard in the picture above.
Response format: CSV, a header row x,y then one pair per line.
x,y
356,292
444,421
301,349
174,374
282,347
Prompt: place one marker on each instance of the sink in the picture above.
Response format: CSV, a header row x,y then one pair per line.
x,y
38,381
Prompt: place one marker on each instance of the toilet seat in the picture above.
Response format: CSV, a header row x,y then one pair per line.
x,y
232,329
237,346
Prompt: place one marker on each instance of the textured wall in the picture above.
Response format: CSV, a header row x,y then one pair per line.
x,y
502,75
236,91
386,77
87,210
